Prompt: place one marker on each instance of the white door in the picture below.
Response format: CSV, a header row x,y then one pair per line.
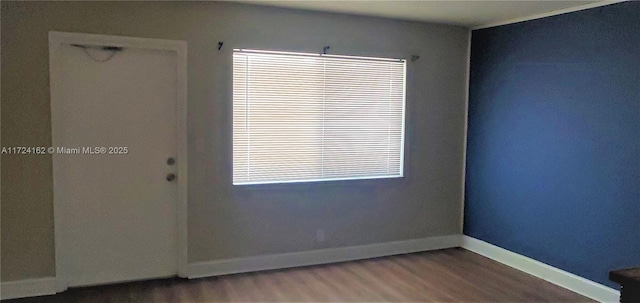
x,y
117,211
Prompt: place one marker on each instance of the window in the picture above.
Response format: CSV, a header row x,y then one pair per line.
x,y
307,117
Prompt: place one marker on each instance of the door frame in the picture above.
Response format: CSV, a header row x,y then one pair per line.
x,y
56,40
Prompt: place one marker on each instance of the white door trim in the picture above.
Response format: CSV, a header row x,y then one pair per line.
x,y
56,39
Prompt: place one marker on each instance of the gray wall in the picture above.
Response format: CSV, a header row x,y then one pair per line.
x,y
224,221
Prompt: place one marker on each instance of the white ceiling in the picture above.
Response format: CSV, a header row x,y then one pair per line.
x,y
471,14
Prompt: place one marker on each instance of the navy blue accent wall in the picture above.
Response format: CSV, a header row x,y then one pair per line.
x,y
553,156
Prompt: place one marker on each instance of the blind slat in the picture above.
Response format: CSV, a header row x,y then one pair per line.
x,y
299,117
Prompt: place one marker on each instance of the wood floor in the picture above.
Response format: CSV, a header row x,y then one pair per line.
x,y
451,275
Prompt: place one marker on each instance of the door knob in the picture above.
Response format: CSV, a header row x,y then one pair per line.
x,y
171,161
171,177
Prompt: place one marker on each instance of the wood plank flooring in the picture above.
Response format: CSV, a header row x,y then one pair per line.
x,y
450,275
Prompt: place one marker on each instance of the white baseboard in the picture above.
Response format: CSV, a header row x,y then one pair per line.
x,y
543,271
588,288
320,256
28,288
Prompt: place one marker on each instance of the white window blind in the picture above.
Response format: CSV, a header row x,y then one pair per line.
x,y
308,117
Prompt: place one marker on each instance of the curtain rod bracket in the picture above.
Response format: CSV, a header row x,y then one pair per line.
x,y
220,43
324,49
414,58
